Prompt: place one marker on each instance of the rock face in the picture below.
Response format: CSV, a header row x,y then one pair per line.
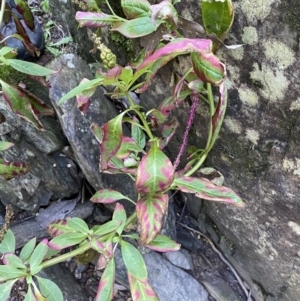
x,y
49,176
258,148
76,126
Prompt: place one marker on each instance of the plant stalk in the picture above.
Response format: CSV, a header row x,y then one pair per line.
x,y
209,143
66,256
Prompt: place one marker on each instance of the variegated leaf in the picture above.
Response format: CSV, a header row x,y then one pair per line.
x,y
141,290
133,261
150,213
111,141
162,243
106,285
107,196
205,189
155,172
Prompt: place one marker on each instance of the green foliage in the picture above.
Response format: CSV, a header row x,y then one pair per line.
x,y
140,156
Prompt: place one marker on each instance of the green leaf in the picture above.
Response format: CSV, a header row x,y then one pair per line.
x,y
78,224
162,243
150,213
5,289
133,260
136,28
155,172
108,196
59,227
66,240
218,117
29,296
6,50
208,68
8,243
10,170
50,290
136,8
12,260
5,145
80,88
28,249
19,103
26,13
112,138
106,228
30,68
38,254
141,290
120,217
106,285
9,272
205,189
97,131
217,17
128,146
138,134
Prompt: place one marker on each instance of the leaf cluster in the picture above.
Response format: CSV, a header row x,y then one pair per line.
x,y
141,156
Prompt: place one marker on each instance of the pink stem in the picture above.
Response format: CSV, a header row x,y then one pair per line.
x,y
195,100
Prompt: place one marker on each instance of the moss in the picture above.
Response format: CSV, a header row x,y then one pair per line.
x,y
290,13
123,42
12,76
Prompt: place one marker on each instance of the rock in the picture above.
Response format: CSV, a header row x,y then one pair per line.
x,y
180,258
49,176
168,281
258,147
31,228
60,275
172,283
76,126
218,288
36,37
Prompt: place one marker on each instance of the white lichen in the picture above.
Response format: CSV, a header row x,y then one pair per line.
x,y
257,9
250,36
252,135
292,166
295,227
233,125
278,53
274,82
248,97
295,105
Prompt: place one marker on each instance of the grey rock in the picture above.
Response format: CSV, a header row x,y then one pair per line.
x,y
49,175
31,228
60,275
218,288
181,259
76,126
168,281
172,283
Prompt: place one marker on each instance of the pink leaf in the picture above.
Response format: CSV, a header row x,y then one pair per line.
x,y
107,196
111,142
90,19
205,189
155,172
141,290
208,68
162,243
106,285
150,213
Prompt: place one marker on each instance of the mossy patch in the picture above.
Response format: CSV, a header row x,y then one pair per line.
x,y
290,13
123,42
